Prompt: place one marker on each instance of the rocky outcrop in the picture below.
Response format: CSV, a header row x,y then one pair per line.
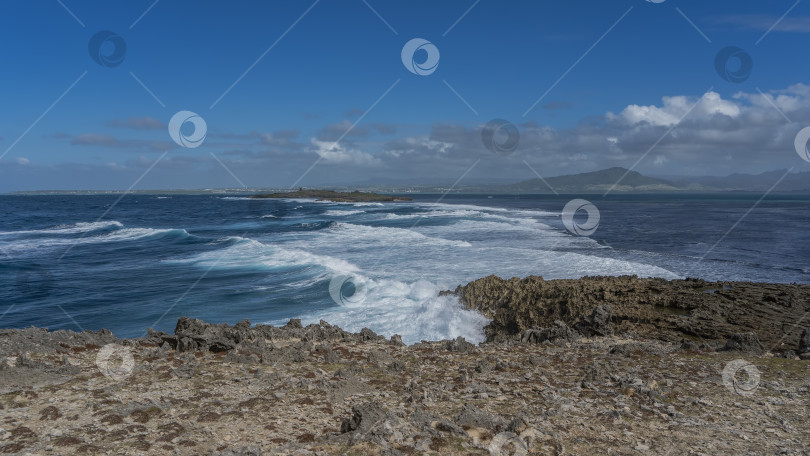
x,y
654,308
744,343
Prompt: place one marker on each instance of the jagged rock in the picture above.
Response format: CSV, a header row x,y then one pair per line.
x,y
654,308
447,426
294,323
560,331
240,359
459,344
471,416
744,343
186,344
597,323
367,334
364,416
396,340
379,358
518,424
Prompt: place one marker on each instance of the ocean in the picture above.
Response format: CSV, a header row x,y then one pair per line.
x,y
153,258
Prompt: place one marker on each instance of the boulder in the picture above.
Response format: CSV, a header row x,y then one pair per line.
x,y
744,343
597,323
364,417
471,416
560,331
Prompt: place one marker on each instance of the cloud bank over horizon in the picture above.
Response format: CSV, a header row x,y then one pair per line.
x,y
692,135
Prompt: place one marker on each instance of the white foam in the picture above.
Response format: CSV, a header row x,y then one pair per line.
x,y
413,310
363,234
81,227
368,204
249,253
338,213
122,235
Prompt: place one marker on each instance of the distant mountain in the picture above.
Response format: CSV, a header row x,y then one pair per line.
x,y
623,180
754,182
593,182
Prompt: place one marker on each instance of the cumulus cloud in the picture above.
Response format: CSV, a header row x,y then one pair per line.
x,y
697,134
691,134
341,154
676,108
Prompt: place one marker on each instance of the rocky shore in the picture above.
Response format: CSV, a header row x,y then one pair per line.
x,y
610,365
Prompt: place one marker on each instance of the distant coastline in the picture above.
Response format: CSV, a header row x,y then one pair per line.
x,y
611,180
337,197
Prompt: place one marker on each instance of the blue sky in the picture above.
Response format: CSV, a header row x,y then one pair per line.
x,y
618,76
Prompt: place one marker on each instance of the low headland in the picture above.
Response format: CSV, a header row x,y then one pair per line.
x,y
337,197
598,365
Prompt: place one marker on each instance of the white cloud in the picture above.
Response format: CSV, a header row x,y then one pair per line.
x,y
338,153
675,108
22,161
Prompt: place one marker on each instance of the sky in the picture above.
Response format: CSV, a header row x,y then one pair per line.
x,y
354,92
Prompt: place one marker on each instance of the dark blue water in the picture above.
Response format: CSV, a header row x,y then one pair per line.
x,y
152,258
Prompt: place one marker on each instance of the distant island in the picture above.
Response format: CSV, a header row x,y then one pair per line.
x,y
337,197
